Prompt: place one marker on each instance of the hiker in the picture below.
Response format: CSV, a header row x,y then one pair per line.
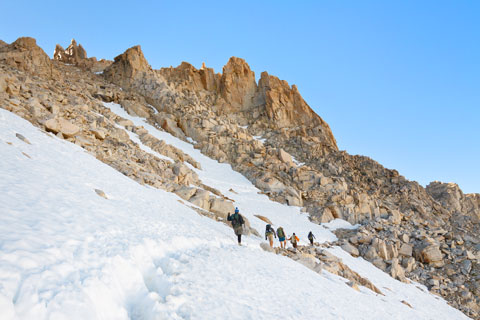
x,y
269,233
237,224
281,237
311,237
294,239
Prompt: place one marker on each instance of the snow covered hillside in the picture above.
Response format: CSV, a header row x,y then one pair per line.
x,y
68,253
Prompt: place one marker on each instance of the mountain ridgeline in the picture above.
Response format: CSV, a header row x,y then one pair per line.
x,y
268,133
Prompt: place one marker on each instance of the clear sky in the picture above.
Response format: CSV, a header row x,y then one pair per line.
x,y
398,81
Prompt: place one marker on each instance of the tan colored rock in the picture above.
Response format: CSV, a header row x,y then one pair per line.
x,y
470,255
135,108
265,246
286,108
221,207
308,260
294,201
237,85
170,126
75,51
350,249
353,285
382,250
264,219
125,123
392,250
397,272
406,250
201,199
83,141
59,53
270,184
119,134
371,254
285,157
449,194
186,192
432,254
396,217
380,264
186,75
3,82
327,216
60,125
129,65
98,133
74,54
24,54
101,193
409,264
21,137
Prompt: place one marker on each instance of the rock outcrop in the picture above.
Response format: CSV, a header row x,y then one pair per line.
x,y
237,86
188,76
452,198
74,53
25,55
286,108
127,67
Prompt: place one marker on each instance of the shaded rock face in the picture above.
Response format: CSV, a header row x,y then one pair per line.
x,y
24,54
452,198
284,104
237,85
127,66
188,76
73,54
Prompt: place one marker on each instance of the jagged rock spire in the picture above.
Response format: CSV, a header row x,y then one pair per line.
x,y
73,54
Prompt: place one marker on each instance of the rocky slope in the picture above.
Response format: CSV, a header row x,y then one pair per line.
x,y
267,132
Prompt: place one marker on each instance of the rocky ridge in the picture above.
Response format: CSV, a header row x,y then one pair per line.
x,y
267,132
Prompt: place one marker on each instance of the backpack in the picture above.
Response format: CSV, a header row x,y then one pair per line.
x,y
268,230
237,220
280,232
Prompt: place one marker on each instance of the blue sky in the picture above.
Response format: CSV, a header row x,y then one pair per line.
x,y
398,81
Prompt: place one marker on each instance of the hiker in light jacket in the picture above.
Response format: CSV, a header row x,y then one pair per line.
x,y
294,240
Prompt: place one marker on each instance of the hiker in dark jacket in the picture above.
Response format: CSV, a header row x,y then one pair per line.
x,y
269,233
237,224
281,237
311,237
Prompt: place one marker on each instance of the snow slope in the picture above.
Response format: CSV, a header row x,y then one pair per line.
x,y
67,253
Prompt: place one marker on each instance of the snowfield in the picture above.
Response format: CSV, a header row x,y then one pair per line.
x,y
67,253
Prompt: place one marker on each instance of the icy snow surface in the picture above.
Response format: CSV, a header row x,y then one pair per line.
x,y
66,253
